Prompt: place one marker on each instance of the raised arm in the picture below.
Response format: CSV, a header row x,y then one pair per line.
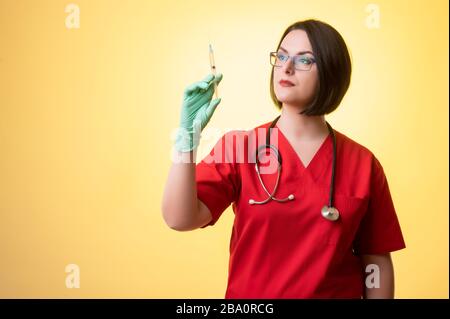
x,y
181,209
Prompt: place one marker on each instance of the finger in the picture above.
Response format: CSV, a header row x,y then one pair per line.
x,y
200,85
192,88
208,78
218,78
212,107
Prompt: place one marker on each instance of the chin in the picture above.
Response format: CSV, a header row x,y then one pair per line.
x,y
290,100
293,103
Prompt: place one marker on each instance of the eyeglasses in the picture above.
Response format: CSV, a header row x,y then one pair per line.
x,y
301,62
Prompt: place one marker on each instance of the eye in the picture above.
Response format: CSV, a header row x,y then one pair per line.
x,y
281,56
304,60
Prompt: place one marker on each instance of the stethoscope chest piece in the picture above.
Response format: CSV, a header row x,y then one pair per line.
x,y
330,213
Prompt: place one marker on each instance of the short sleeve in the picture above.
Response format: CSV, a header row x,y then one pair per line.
x,y
379,231
217,178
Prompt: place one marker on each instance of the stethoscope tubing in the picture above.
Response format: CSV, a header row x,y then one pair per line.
x,y
329,212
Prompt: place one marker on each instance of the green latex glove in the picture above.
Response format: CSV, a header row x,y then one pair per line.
x,y
196,111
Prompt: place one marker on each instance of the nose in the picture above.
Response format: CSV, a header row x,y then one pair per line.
x,y
288,67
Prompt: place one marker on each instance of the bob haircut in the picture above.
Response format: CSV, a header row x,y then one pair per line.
x,y
333,65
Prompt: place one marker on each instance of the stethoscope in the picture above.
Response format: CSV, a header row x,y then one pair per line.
x,y
328,211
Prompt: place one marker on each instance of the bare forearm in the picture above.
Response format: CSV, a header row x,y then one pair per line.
x,y
180,204
379,280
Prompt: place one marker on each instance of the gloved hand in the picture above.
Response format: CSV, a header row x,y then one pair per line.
x,y
196,111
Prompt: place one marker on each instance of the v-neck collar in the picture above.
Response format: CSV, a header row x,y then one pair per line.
x,y
322,156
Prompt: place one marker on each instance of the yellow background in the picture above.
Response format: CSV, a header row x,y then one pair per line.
x,y
86,117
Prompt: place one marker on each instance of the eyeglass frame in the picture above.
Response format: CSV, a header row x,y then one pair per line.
x,y
275,53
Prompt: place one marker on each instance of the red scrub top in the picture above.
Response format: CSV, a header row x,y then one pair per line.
x,y
288,250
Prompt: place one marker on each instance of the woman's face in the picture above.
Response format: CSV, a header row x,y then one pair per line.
x,y
305,81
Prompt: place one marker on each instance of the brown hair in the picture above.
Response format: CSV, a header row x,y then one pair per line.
x,y
333,64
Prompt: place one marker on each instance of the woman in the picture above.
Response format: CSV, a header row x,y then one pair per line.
x,y
317,233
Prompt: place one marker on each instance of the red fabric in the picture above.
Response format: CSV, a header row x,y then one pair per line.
x,y
288,250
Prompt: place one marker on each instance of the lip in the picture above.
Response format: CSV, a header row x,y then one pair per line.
x,y
286,83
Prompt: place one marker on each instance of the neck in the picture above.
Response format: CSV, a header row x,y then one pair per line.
x,y
301,127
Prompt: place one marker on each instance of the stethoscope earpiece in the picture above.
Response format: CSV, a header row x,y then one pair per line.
x,y
328,212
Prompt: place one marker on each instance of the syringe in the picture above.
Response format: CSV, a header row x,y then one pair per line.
x,y
213,69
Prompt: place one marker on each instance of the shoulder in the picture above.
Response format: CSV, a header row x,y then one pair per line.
x,y
357,153
350,145
358,166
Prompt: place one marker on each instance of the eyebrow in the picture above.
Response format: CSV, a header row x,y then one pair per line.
x,y
301,52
